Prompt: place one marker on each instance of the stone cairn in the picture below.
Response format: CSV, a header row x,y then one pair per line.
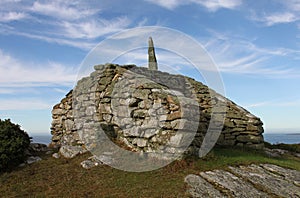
x,y
140,110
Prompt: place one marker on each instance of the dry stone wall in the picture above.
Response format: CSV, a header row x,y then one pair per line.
x,y
146,111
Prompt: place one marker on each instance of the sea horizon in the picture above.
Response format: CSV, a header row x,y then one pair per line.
x,y
271,137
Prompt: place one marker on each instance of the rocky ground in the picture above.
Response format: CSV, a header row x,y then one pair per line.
x,y
264,180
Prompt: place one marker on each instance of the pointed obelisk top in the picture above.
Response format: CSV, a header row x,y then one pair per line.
x,y
152,62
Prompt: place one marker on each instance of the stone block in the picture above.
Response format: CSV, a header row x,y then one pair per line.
x,y
141,93
140,113
141,142
250,138
228,142
132,132
173,116
176,139
148,133
71,151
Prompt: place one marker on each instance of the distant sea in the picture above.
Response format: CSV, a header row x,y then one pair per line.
x,y
273,138
44,139
286,138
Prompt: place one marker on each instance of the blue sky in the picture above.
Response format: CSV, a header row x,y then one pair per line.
x,y
255,45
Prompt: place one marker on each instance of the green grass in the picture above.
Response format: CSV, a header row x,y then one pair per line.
x,y
65,178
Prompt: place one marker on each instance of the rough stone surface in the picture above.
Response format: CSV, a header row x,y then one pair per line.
x,y
280,152
270,182
265,180
71,151
33,152
55,155
37,147
231,184
145,110
91,162
33,159
151,56
199,187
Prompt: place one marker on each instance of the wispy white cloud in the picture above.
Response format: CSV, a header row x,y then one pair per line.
x,y
92,29
15,72
63,10
280,18
20,83
211,5
170,4
238,55
275,103
12,16
77,43
74,23
276,18
214,5
23,104
259,104
82,35
63,91
279,12
292,4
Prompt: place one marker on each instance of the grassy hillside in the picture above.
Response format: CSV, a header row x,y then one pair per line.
x,y
65,178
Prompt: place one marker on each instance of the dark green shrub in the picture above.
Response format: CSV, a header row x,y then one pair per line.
x,y
13,144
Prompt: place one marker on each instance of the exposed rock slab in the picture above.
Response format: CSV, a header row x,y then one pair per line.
x,y
231,184
288,174
268,181
199,187
265,180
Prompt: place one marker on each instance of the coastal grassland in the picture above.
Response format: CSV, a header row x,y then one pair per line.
x,y
65,178
287,147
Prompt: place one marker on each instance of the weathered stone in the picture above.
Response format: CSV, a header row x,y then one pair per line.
x,y
251,127
152,63
56,155
234,185
37,147
148,133
272,183
291,175
140,113
133,102
256,146
250,138
174,115
105,108
198,187
141,142
132,132
265,180
176,140
228,142
91,162
33,159
57,111
138,103
91,110
141,93
99,67
71,151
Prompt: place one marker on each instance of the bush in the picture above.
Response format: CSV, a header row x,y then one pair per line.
x,y
13,144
